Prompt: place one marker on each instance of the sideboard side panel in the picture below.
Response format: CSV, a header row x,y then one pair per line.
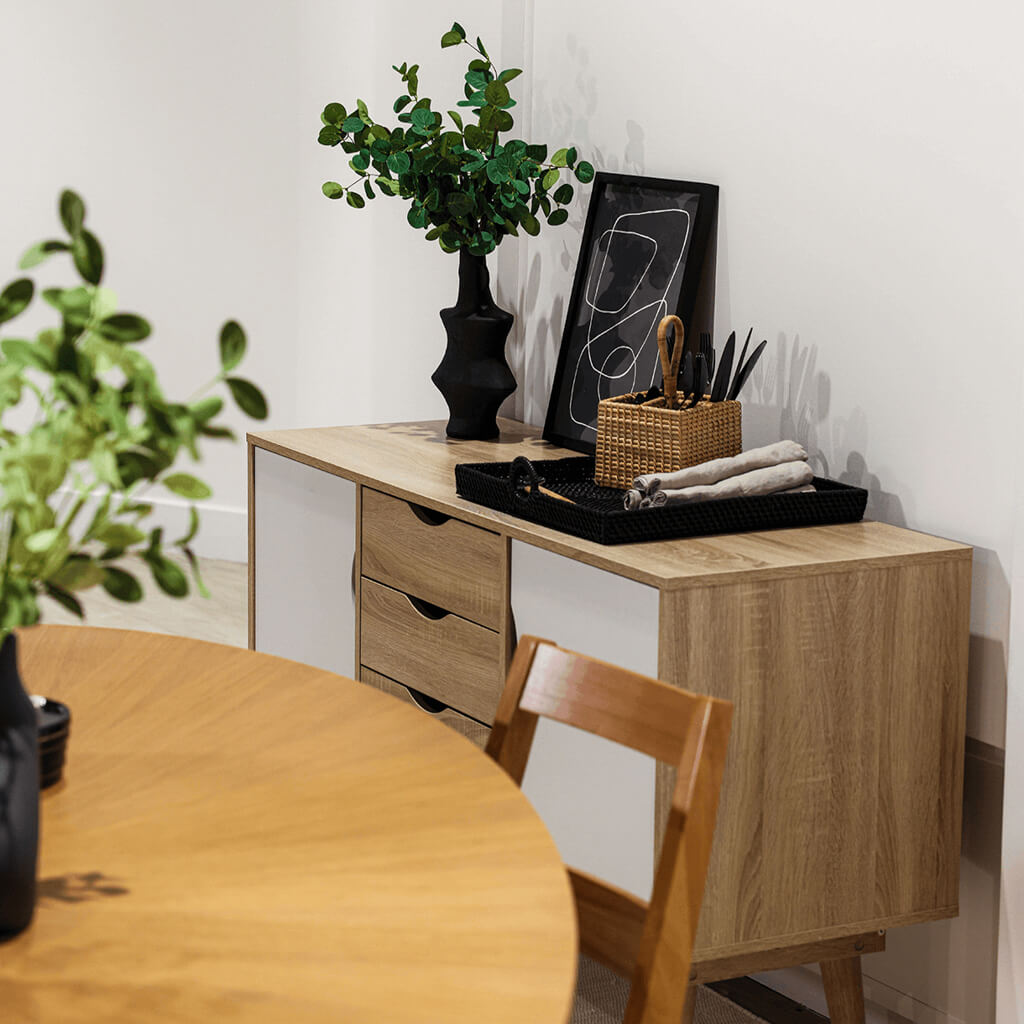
x,y
596,797
841,797
304,543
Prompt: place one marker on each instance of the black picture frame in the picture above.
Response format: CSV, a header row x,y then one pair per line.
x,y
612,357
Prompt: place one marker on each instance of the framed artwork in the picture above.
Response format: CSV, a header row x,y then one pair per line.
x,y
640,259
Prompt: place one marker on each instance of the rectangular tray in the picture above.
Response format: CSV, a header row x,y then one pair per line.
x,y
598,514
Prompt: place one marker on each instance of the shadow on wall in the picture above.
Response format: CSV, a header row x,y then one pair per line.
x,y
789,397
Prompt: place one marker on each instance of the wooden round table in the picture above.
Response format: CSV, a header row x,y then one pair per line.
x,y
244,838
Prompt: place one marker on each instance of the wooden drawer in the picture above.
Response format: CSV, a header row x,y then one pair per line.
x,y
462,724
439,654
442,560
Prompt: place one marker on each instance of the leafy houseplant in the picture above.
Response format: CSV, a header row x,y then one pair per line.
x,y
467,188
72,501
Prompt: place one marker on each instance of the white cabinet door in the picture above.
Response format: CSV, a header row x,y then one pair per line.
x,y
305,531
596,797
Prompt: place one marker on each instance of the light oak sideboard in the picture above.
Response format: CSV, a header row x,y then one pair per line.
x,y
843,648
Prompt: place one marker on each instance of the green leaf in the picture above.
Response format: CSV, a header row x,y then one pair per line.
x,y
450,39
509,74
334,113
353,123
359,162
330,135
27,353
332,190
75,304
459,204
248,397
121,585
206,408
478,65
124,328
417,217
503,121
563,194
497,94
72,212
538,153
585,172
87,254
550,178
423,118
530,224
119,535
43,540
399,163
79,572
193,527
368,189
168,575
402,102
456,117
570,157
559,159
65,598
480,47
187,486
558,217
15,297
456,27
41,251
363,112
232,345
355,200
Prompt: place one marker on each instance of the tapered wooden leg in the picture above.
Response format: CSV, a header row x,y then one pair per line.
x,y
691,1002
844,990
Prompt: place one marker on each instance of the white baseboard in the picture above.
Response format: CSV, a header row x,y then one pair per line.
x,y
883,1003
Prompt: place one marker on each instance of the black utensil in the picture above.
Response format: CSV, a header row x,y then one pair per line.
x,y
686,375
708,349
724,370
744,373
739,363
700,377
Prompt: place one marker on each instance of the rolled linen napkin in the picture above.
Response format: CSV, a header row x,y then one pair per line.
x,y
721,469
632,499
769,480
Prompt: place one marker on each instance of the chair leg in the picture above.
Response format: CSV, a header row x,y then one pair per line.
x,y
690,1004
844,990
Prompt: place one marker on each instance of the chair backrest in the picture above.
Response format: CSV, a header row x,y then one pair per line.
x,y
652,943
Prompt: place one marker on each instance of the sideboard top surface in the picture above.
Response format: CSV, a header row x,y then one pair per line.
x,y
416,461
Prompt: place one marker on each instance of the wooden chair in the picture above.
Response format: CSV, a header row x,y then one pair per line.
x,y
650,943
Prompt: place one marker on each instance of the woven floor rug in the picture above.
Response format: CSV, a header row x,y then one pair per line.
x,y
601,999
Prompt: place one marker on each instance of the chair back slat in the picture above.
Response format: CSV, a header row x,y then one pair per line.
x,y
651,943
623,706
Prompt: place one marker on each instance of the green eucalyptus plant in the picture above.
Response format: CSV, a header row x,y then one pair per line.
x,y
72,484
465,187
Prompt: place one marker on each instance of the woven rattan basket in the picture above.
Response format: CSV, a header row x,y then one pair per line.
x,y
664,434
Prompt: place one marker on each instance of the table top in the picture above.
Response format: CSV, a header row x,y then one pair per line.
x,y
240,837
416,461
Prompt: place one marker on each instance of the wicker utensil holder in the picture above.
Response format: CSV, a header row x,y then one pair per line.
x,y
664,434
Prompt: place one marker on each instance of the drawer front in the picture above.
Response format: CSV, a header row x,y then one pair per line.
x,y
445,561
447,658
467,727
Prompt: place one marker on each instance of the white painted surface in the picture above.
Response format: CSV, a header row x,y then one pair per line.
x,y
305,524
596,797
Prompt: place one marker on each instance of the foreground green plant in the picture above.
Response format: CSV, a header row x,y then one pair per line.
x,y
72,483
465,187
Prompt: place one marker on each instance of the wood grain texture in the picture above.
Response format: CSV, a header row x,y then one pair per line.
x,y
450,659
242,837
451,564
841,804
416,461
463,725
737,966
844,990
611,702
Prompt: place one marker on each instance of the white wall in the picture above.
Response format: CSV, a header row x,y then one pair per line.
x,y
870,160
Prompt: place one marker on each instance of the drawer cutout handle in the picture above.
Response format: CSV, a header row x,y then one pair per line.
x,y
428,515
426,609
430,705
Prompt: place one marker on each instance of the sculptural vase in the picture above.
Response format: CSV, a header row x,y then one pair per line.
x,y
473,376
19,796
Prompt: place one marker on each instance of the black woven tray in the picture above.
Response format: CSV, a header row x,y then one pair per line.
x,y
598,514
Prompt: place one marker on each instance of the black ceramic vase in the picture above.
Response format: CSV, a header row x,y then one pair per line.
x,y
19,796
473,376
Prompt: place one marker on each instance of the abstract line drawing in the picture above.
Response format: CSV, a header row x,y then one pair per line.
x,y
640,259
